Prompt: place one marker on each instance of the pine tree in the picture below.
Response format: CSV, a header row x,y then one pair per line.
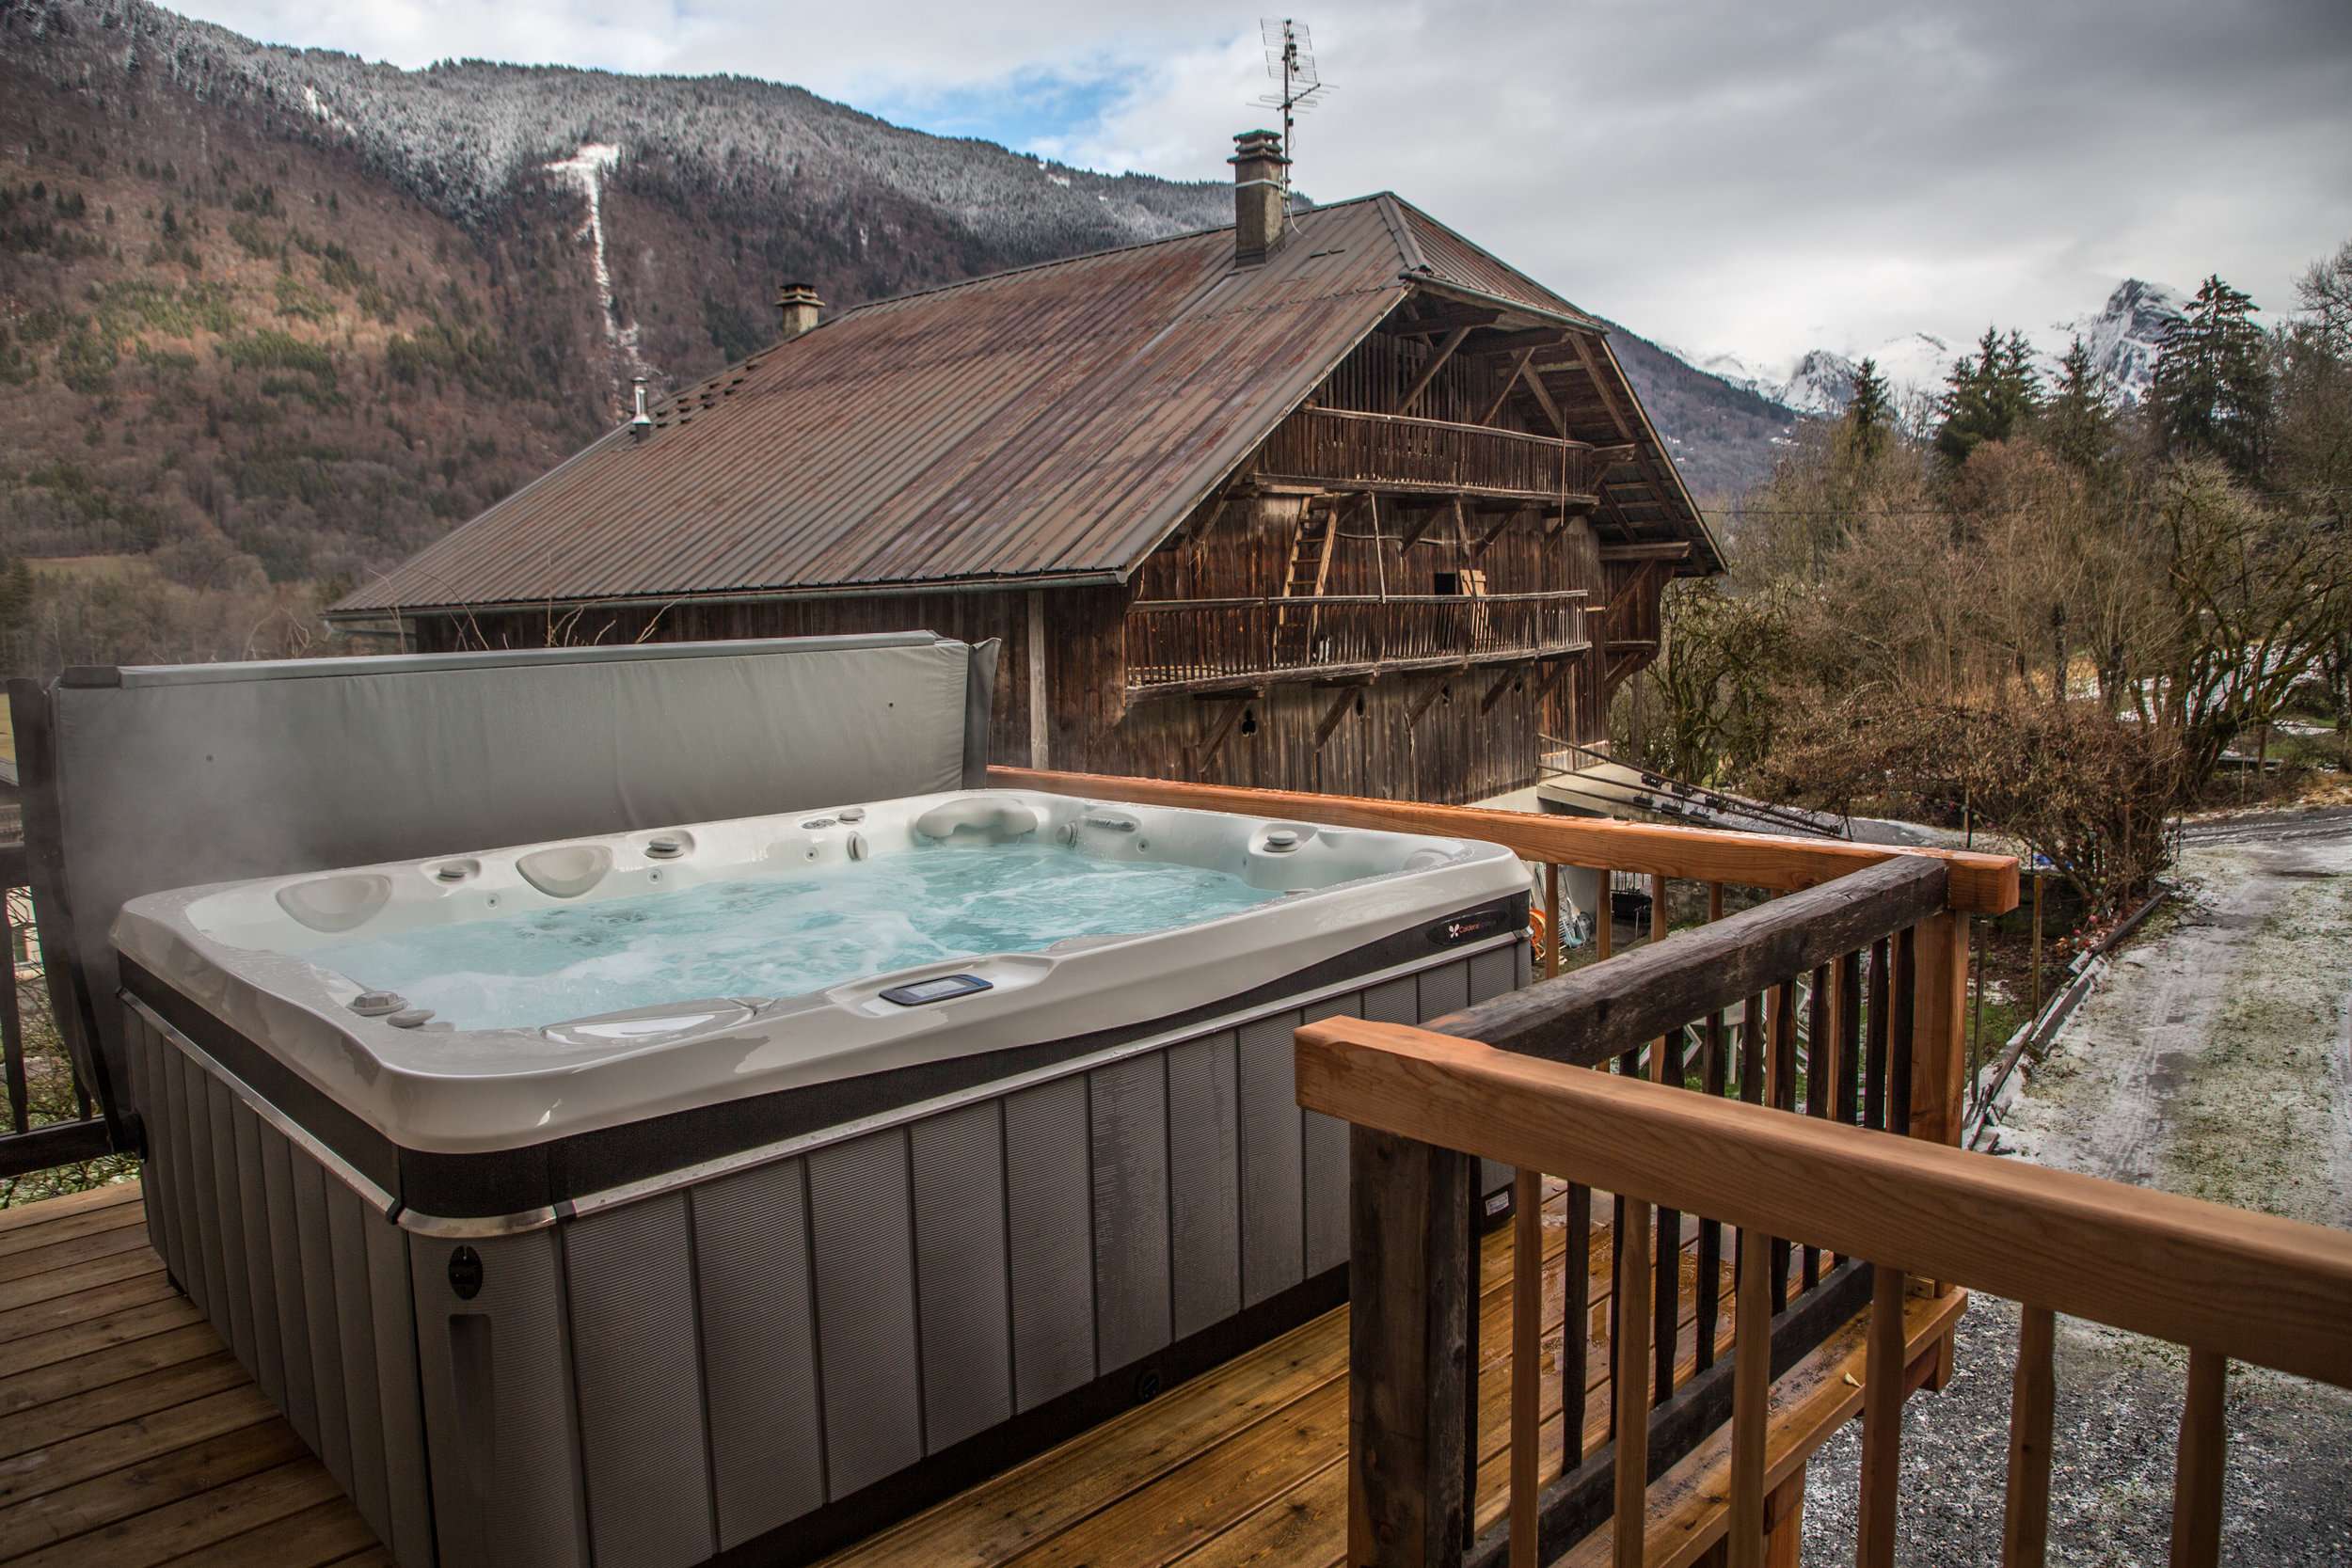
x,y
2077,423
2210,393
1869,413
1989,394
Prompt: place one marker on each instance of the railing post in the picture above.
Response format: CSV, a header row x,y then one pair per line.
x,y
1409,1318
1939,1076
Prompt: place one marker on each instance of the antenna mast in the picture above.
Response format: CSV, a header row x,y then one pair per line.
x,y
1290,59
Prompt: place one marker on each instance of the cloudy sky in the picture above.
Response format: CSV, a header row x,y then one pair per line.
x,y
1722,175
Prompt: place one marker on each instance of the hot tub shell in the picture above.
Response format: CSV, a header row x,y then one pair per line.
x,y
652,1304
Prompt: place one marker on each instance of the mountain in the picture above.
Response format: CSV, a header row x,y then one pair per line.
x,y
2122,335
273,318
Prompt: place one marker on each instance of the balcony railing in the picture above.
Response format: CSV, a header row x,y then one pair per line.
x,y
1384,452
1202,644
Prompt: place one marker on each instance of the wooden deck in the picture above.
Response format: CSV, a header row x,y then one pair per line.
x,y
130,1436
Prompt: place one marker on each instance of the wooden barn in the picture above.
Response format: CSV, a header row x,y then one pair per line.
x,y
1331,500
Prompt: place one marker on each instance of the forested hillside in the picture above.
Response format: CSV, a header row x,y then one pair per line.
x,y
271,319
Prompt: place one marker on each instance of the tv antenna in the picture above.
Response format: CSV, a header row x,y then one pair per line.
x,y
1290,59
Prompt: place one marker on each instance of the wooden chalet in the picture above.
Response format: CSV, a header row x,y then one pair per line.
x,y
1332,501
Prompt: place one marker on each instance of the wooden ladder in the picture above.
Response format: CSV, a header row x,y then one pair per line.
x,y
1310,569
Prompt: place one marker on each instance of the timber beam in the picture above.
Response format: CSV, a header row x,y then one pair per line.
x,y
1440,317
1511,676
1429,371
1543,690
1431,693
1676,551
1350,692
1226,721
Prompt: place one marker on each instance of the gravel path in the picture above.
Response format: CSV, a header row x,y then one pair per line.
x,y
2216,1062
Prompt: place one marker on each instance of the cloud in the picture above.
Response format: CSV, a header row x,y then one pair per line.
x,y
1722,175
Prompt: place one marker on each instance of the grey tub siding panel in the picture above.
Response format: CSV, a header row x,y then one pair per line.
x,y
326,1333
203,1189
347,1220
146,1062
165,1140
636,1369
294,1313
1273,1192
1129,1139
1493,973
1323,1139
860,1224
962,1273
1048,1174
1444,990
759,1349
233,1272
1204,1182
260,1265
393,1304
499,1419
177,1074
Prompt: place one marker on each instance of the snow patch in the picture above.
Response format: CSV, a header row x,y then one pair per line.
x,y
585,170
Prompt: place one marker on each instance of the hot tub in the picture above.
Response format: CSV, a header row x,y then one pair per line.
x,y
738,1186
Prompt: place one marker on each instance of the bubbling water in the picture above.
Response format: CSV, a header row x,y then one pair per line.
x,y
776,933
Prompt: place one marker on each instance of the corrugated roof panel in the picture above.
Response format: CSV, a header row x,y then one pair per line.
x,y
1056,420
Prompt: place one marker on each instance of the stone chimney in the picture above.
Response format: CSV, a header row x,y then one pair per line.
x,y
797,305
1258,165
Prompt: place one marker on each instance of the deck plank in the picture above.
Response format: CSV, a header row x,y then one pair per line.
x,y
76,1278
48,1232
162,1534
325,1533
165,1313
31,1475
68,1377
128,1399
152,1482
104,1242
50,1209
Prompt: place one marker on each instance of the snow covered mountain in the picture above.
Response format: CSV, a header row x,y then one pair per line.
x,y
2122,336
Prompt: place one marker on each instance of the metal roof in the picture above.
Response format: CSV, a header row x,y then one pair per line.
x,y
1052,423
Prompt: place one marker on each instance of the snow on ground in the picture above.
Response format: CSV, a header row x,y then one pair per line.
x,y
2216,1062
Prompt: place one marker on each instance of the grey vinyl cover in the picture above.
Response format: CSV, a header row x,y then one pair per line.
x,y
176,775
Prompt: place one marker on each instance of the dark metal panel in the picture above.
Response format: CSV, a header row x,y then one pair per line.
x,y
347,1220
1324,1140
960,1268
639,1383
1046,1193
392,1305
192,1115
1204,1182
1273,1190
285,1257
1129,1134
160,1172
861,1226
260,1261
759,1349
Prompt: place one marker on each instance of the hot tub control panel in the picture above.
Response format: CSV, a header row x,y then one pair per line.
x,y
937,990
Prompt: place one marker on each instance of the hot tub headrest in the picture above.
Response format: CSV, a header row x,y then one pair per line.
x,y
173,776
998,817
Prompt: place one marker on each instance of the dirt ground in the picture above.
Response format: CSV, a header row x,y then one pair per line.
x,y
2216,1062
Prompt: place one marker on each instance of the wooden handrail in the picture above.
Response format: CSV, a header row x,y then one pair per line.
x,y
1564,595
2252,1286
1979,884
1584,1018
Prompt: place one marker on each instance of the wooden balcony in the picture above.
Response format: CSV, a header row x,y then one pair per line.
x,y
1342,449
1180,645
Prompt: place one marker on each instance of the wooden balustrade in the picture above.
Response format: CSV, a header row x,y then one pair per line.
x,y
1198,645
1427,1103
1397,453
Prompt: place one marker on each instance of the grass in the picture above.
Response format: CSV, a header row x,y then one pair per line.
x,y
49,1082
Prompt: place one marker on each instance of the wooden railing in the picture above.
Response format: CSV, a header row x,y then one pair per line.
x,y
1195,644
1386,452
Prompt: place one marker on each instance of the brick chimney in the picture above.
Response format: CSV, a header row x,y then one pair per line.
x,y
797,305
1258,165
